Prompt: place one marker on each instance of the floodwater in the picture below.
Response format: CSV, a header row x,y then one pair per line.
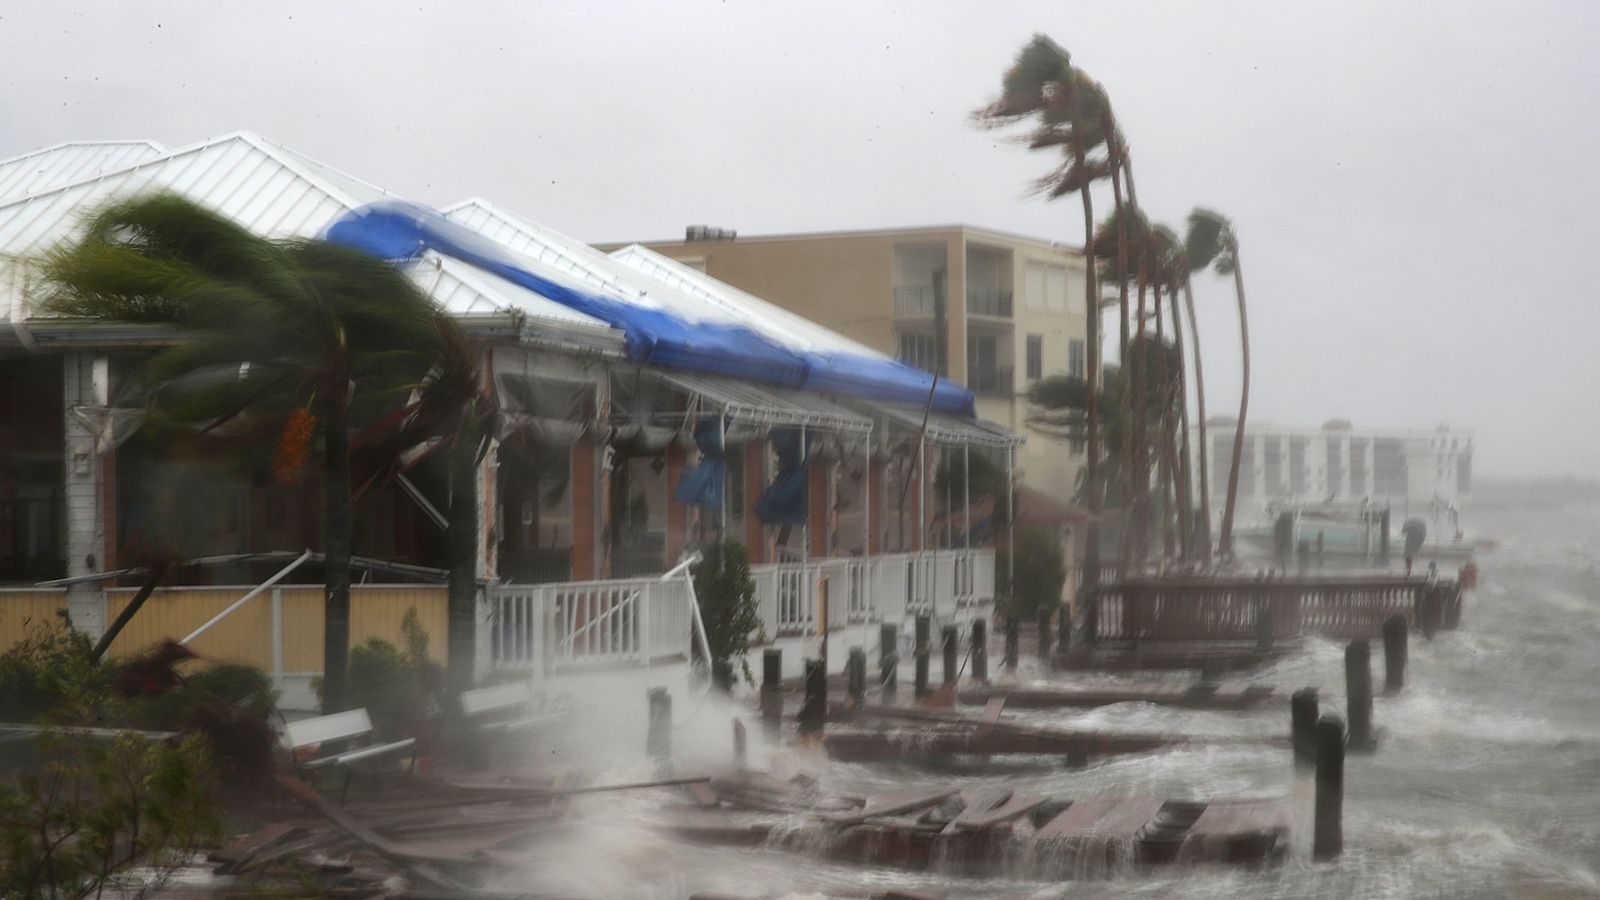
x,y
1486,783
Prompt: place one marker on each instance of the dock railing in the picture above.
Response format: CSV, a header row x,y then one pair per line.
x,y
892,587
1231,609
619,622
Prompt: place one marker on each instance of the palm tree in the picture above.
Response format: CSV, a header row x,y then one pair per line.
x,y
283,340
1203,538
1212,241
1068,110
1173,272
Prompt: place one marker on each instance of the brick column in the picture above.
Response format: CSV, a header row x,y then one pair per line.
x,y
877,509
819,511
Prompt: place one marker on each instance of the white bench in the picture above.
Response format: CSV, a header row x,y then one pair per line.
x,y
352,725
511,706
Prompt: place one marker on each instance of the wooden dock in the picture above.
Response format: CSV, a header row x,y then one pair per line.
x,y
996,831
1202,695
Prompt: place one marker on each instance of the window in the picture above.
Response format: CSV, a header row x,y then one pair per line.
x,y
1044,287
918,349
1076,366
1035,357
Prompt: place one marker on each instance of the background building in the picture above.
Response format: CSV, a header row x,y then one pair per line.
x,y
1016,305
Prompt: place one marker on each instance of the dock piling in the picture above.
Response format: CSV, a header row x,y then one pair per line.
x,y
1266,626
1358,693
1394,654
856,676
815,708
1064,630
772,686
1013,627
980,650
738,743
951,652
1327,835
1044,635
888,658
658,740
920,654
1303,727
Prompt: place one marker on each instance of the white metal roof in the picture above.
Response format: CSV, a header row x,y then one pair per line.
x,y
41,170
753,404
263,187
647,279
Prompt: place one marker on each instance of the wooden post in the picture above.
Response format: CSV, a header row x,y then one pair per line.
x,y
1044,635
1064,630
980,650
772,686
921,655
951,653
1383,538
1327,834
722,676
888,658
1452,605
658,740
738,743
815,708
1012,639
1303,728
1427,610
1266,625
1394,654
856,679
1358,693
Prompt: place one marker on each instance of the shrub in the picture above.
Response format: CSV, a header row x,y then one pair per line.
x,y
401,689
98,810
727,596
50,674
1041,572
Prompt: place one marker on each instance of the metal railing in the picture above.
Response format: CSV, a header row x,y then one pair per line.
x,y
989,302
915,301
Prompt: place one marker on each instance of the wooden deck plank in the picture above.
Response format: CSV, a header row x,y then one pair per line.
x,y
894,805
1229,819
1118,817
991,714
1014,806
1078,817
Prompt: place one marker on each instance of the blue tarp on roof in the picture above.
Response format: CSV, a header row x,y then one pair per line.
x,y
397,230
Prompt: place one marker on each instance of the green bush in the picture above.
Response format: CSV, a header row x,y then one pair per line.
x,y
727,595
97,810
50,675
1041,572
403,690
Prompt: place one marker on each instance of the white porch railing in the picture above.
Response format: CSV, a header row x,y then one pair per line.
x,y
892,588
542,628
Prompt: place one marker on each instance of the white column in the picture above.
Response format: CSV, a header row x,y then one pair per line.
x,y
86,384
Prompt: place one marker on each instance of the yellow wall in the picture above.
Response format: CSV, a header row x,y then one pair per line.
x,y
23,609
245,636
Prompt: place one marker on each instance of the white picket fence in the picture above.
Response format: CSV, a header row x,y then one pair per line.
x,y
639,621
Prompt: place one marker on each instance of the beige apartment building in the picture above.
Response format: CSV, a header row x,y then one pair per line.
x,y
1016,304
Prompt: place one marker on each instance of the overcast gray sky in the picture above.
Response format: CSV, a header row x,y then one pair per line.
x,y
1414,185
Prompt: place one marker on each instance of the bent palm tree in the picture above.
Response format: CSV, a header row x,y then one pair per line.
x,y
1212,241
283,341
1069,112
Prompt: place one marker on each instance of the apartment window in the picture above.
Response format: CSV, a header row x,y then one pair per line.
x,y
919,349
1044,287
1076,366
1035,357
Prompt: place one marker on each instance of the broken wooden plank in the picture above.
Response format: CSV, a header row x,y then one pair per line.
x,y
400,853
1109,817
991,714
238,853
895,805
1236,830
1014,807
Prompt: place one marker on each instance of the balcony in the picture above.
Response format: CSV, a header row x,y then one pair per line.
x,y
991,302
914,301
991,381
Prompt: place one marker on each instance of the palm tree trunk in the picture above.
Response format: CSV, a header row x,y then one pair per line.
x,y
1225,539
336,537
1091,553
1185,479
1204,537
1164,463
1122,210
462,539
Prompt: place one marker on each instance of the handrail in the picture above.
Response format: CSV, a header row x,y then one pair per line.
x,y
572,638
684,566
281,574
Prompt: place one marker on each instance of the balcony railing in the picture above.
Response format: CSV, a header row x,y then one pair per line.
x,y
989,302
914,301
991,381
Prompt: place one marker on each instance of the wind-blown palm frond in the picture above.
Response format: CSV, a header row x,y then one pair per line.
x,y
1210,242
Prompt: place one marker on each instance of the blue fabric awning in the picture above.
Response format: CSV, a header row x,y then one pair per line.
x,y
400,231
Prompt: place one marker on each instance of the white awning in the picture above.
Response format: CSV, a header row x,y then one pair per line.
x,y
748,404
